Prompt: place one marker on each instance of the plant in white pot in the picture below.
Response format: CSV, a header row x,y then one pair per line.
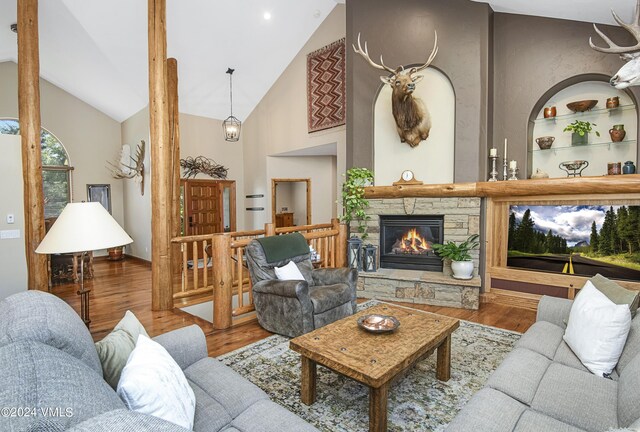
x,y
458,254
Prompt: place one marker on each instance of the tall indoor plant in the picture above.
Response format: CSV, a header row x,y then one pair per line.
x,y
458,254
580,132
353,199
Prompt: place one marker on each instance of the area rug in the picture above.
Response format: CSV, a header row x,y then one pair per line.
x,y
326,87
418,402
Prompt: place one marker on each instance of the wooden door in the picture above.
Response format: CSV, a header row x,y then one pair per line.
x,y
201,207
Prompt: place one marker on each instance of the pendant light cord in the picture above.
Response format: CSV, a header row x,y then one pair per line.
x,y
230,72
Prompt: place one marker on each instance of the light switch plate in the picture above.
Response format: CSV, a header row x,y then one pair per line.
x,y
9,234
10,218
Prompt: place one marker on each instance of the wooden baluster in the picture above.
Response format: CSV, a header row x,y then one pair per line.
x,y
341,246
195,265
325,242
333,251
185,267
239,276
205,269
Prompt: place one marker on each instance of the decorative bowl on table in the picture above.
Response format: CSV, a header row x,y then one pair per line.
x,y
582,106
378,323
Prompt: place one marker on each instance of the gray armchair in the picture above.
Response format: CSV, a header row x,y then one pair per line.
x,y
293,307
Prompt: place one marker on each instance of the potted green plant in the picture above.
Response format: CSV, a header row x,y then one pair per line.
x,y
353,199
458,254
580,132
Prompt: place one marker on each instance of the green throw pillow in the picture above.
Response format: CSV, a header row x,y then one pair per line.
x,y
616,293
115,348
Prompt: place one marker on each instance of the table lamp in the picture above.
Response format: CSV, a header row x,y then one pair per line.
x,y
80,228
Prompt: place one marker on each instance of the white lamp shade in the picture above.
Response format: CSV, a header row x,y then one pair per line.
x,y
83,227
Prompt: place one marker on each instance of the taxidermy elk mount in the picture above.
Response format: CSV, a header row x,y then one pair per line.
x,y
629,74
413,121
121,170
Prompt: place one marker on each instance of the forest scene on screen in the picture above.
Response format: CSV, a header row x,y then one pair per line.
x,y
581,239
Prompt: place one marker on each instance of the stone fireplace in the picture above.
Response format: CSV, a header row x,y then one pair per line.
x,y
406,242
408,270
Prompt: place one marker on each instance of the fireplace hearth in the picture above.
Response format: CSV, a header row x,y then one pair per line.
x,y
406,242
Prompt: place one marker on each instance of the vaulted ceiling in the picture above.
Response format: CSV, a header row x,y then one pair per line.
x,y
97,49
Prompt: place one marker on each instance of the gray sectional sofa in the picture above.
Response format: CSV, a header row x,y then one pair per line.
x,y
542,386
51,378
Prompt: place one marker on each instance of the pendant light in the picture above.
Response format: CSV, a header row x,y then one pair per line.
x,y
231,126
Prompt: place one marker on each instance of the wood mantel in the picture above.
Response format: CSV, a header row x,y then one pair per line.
x,y
619,184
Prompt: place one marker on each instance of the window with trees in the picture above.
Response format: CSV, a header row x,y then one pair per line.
x,y
56,172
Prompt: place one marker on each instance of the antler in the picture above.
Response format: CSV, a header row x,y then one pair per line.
x,y
136,170
434,51
633,28
365,53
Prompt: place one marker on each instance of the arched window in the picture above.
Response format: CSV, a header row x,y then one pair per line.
x,y
56,172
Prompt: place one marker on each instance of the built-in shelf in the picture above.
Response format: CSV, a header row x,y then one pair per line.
x,y
591,113
610,145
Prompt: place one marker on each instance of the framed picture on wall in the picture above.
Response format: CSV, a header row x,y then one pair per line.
x,y
100,193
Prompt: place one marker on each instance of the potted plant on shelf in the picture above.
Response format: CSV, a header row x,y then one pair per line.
x,y
353,198
461,261
580,132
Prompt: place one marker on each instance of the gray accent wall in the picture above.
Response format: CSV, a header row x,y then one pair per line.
x,y
500,66
403,32
533,59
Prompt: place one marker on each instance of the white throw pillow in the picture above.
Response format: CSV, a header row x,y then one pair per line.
x,y
153,383
289,272
597,330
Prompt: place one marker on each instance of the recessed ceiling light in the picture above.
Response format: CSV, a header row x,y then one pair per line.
x,y
267,16
316,13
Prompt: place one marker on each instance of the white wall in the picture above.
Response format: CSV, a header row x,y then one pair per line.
x,y
202,136
137,207
13,262
599,152
432,160
278,124
90,137
321,171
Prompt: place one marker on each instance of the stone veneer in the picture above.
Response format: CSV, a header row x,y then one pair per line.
x,y
461,219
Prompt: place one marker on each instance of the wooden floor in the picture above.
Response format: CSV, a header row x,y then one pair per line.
x,y
126,285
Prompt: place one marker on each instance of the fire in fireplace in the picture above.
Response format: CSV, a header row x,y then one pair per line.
x,y
405,242
412,243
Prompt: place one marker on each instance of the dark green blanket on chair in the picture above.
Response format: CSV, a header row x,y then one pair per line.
x,y
282,247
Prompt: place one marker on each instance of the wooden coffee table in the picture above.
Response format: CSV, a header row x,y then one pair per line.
x,y
375,359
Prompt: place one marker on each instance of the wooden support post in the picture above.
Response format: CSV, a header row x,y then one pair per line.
x,y
174,134
222,281
161,169
269,229
29,117
341,243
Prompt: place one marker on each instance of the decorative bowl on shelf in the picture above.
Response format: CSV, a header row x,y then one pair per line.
x,y
574,168
378,323
582,106
545,142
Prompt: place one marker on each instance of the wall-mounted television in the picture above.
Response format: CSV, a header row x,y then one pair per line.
x,y
581,240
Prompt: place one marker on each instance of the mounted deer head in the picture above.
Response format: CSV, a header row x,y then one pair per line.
x,y
413,121
629,74
122,170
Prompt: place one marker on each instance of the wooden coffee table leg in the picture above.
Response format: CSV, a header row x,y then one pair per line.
x,y
308,378
378,408
443,365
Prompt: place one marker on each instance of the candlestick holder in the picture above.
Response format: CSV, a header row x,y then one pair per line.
x,y
505,175
514,173
493,175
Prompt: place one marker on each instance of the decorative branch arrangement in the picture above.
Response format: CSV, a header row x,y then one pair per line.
x,y
193,166
120,170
